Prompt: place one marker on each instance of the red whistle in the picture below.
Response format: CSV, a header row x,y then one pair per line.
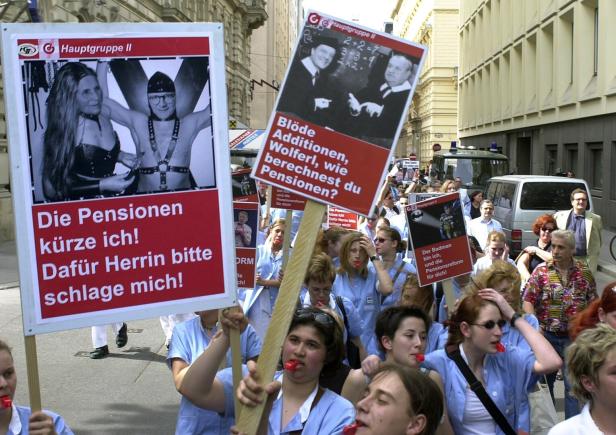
x,y
350,429
291,365
6,402
420,357
500,347
320,304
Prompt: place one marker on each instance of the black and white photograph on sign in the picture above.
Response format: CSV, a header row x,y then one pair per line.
x,y
243,184
104,128
349,85
245,228
435,223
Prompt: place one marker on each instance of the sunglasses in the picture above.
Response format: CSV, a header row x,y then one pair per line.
x,y
547,230
490,324
380,240
317,316
372,219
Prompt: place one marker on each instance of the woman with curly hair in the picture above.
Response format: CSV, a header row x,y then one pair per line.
x,y
534,255
80,146
601,310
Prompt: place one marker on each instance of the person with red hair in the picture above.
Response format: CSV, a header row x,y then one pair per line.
x,y
534,255
601,310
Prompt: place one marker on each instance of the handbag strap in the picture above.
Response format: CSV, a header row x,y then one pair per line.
x,y
481,393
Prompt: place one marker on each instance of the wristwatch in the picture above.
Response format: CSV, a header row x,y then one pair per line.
x,y
515,317
374,257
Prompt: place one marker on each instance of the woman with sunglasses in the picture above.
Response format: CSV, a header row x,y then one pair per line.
x,y
259,302
534,255
475,331
313,346
362,283
390,248
601,310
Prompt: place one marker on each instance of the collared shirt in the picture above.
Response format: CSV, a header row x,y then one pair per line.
x,y
329,415
485,262
581,424
366,299
21,416
479,228
555,304
386,89
506,376
188,342
577,224
312,69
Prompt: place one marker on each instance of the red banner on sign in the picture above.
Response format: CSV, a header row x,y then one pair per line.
x,y
287,200
341,218
113,253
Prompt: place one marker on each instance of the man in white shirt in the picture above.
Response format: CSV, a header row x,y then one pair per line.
x,y
480,227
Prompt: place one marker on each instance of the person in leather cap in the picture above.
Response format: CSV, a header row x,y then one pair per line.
x,y
163,139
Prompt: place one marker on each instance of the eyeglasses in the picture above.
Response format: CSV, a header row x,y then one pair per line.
x,y
157,99
372,219
317,316
490,324
380,240
488,208
580,199
320,290
547,230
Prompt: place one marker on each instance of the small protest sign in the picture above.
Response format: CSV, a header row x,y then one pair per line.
x,y
341,218
123,195
286,200
339,112
245,225
438,237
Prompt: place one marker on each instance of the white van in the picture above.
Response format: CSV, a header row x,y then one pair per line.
x,y
520,199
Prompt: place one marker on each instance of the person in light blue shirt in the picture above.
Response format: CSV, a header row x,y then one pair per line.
x,y
259,302
362,283
390,247
20,420
312,346
188,341
476,332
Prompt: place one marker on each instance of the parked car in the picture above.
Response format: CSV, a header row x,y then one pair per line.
x,y
520,199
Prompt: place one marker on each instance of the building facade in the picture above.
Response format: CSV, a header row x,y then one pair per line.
x,y
539,78
271,49
240,18
433,114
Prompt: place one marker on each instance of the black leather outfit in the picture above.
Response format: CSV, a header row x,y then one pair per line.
x,y
91,161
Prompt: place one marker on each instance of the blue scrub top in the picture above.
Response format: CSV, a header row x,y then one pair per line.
x,y
24,413
188,343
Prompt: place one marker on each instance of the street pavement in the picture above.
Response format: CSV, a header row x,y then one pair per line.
x,y
131,391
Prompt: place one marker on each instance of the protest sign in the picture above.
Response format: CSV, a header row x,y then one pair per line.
x,y
244,186
339,112
122,192
287,200
246,221
418,197
341,218
438,237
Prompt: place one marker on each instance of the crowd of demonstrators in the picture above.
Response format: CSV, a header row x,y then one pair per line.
x,y
15,419
532,256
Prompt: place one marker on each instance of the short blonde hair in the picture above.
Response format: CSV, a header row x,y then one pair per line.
x,y
495,236
586,355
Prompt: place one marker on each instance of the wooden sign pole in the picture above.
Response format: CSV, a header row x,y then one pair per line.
x,y
450,296
292,281
286,244
34,387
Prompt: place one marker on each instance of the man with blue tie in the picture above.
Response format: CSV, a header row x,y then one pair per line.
x,y
585,225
